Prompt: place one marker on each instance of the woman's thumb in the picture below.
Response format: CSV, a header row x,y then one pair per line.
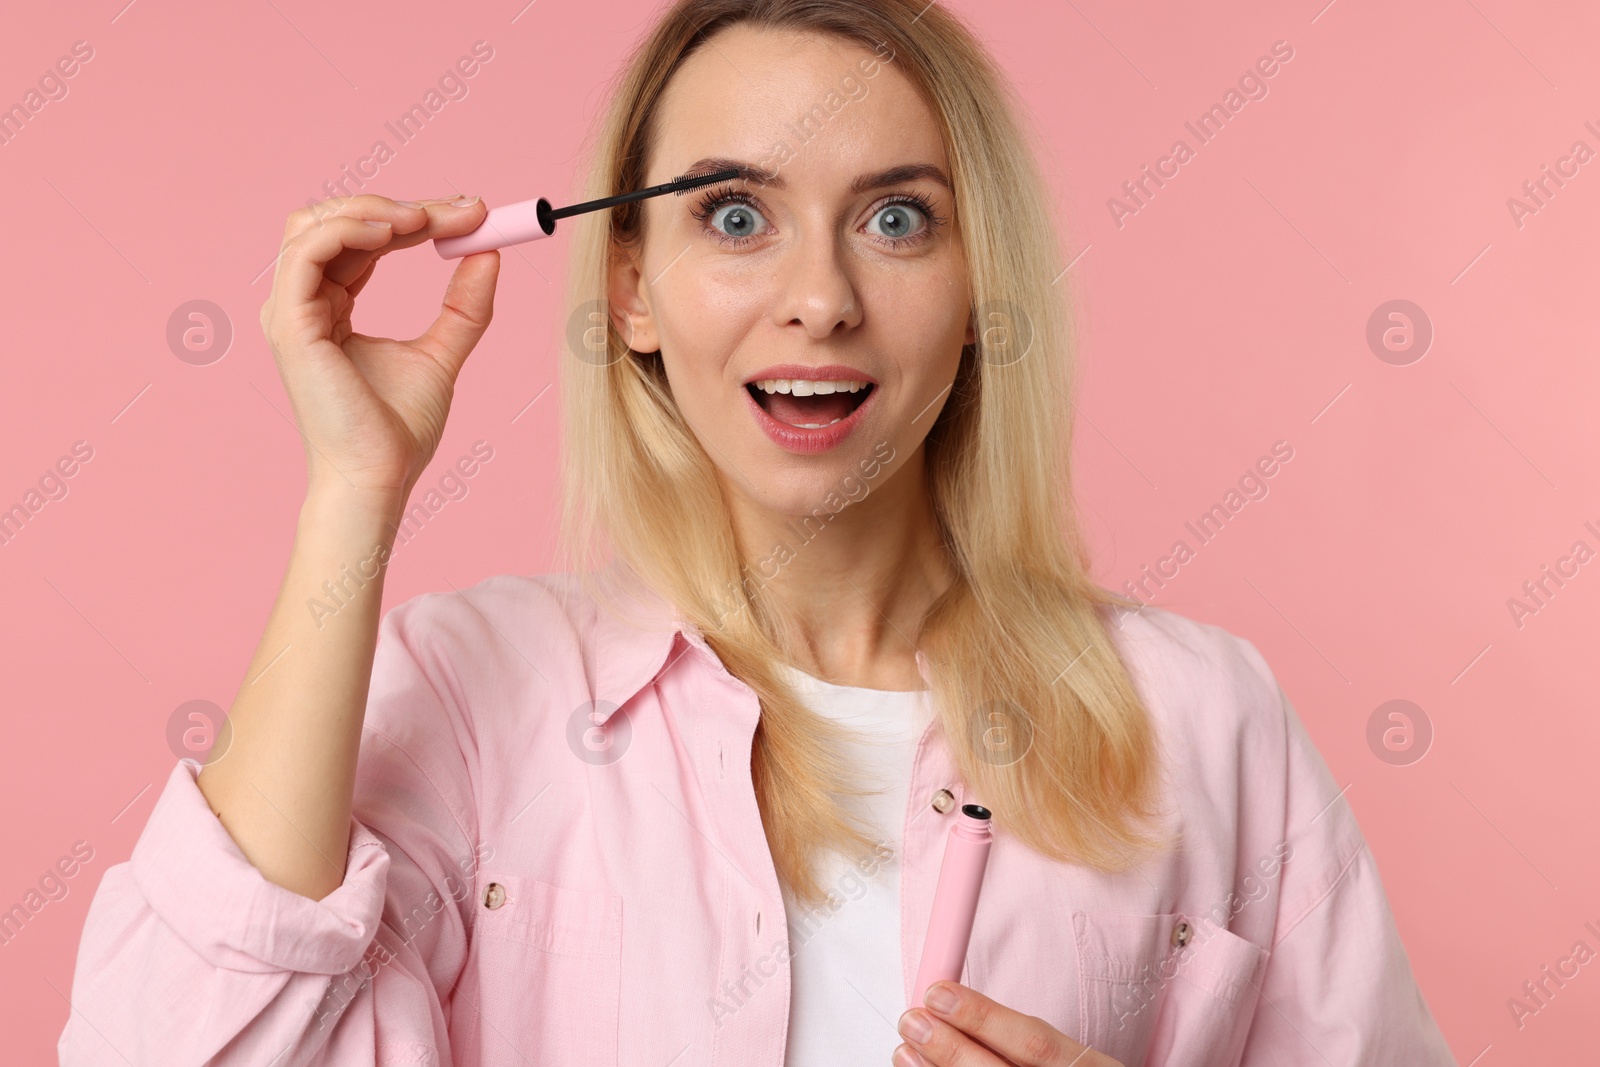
x,y
468,307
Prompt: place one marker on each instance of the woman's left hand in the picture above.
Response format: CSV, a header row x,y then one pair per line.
x,y
978,1032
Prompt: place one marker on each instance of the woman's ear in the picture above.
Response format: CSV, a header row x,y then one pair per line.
x,y
630,311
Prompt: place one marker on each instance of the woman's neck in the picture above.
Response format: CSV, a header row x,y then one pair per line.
x,y
855,584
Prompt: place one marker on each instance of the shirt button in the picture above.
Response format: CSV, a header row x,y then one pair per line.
x,y
1181,934
943,801
494,896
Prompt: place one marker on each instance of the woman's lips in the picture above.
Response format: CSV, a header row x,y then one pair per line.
x,y
802,440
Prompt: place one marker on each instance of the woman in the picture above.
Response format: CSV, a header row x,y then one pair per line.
x,y
623,814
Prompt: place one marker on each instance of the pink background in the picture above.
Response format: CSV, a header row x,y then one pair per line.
x,y
1230,312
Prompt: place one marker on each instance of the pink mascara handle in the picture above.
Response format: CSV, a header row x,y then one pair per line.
x,y
955,900
509,224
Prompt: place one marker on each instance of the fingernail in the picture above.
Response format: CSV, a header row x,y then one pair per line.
x,y
941,999
916,1027
466,201
374,222
905,1056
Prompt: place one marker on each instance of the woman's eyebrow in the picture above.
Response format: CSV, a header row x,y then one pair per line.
x,y
905,172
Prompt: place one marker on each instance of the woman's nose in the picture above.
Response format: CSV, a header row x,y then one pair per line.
x,y
818,291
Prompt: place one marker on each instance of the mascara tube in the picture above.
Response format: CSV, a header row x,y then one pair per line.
x,y
508,224
955,900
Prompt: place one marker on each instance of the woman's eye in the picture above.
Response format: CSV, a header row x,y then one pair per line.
x,y
737,220
898,220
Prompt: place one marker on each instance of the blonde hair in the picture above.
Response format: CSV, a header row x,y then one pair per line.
x,y
1019,639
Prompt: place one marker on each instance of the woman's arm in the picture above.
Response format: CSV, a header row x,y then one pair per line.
x,y
283,785
256,921
371,411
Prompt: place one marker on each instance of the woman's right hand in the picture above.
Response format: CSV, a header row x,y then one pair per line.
x,y
370,409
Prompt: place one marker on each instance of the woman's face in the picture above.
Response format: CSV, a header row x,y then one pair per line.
x,y
799,266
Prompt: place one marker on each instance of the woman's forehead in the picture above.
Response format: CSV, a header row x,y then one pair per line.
x,y
802,106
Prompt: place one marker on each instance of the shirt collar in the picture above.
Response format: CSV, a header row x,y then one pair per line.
x,y
630,653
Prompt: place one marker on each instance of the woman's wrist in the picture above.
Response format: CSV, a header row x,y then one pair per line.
x,y
344,518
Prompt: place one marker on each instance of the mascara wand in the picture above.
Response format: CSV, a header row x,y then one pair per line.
x,y
531,220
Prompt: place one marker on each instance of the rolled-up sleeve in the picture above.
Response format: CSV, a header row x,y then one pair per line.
x,y
189,955
1338,987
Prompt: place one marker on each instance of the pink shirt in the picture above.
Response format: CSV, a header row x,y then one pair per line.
x,y
523,890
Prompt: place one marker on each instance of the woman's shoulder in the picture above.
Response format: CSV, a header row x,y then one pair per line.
x,y
560,633
1196,674
475,646
516,593
506,610
1159,640
450,663
1232,745
1236,739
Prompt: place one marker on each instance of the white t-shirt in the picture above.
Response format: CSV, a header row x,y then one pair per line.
x,y
846,993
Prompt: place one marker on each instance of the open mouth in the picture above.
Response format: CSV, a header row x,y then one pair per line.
x,y
809,412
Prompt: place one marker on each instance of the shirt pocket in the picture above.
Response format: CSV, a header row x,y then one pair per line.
x,y
1171,989
1214,994
550,972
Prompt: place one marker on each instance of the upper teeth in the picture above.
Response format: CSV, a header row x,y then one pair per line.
x,y
805,387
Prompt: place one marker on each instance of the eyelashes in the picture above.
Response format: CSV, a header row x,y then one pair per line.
x,y
721,196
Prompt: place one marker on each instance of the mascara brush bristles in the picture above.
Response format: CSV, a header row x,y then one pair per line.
x,y
683,183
